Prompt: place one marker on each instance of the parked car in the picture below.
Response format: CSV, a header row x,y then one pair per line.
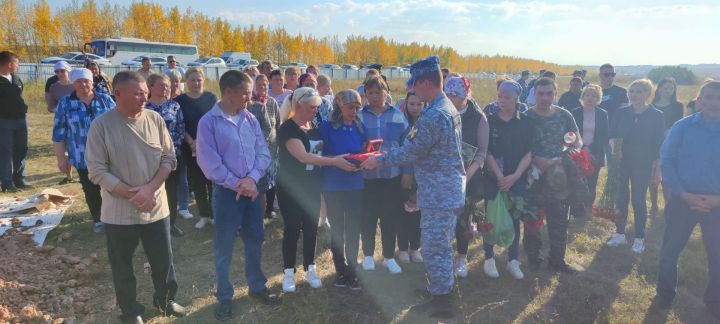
x,y
330,66
396,68
350,67
155,61
241,64
76,58
208,62
302,66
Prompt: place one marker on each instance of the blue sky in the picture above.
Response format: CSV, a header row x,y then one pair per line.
x,y
568,32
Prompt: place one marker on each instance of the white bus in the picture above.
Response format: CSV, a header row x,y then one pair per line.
x,y
122,49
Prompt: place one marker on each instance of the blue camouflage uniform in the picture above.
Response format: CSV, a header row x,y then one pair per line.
x,y
433,148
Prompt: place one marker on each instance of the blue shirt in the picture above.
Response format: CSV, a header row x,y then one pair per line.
x,y
689,156
72,123
341,140
390,126
174,120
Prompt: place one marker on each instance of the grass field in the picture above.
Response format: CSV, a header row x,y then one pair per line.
x,y
616,286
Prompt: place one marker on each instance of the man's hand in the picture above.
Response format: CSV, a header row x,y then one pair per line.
x,y
370,164
144,197
64,165
710,201
246,187
699,203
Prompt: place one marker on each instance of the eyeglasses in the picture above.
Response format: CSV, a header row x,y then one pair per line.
x,y
609,74
171,61
60,71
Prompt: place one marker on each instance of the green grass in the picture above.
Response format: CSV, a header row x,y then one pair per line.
x,y
615,287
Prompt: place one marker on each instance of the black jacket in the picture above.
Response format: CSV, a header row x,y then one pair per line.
x,y
12,104
601,136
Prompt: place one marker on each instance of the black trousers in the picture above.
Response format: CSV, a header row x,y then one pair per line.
x,y
556,218
382,200
344,211
122,240
92,194
171,189
462,225
300,211
13,150
409,231
270,199
199,184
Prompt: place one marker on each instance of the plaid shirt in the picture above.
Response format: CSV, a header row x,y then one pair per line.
x,y
174,120
390,125
72,123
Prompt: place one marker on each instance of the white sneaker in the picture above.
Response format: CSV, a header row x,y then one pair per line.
x,y
325,223
392,266
461,267
202,222
616,240
212,221
490,268
368,263
273,215
185,214
638,246
514,268
415,256
312,278
288,281
404,257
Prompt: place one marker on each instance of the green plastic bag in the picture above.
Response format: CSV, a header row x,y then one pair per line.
x,y
503,232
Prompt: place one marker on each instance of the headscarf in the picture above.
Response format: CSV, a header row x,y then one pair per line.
x,y
458,86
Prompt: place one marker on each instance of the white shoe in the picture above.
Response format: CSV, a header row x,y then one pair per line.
x,y
368,263
392,266
638,246
312,278
616,240
273,215
288,285
185,214
415,256
514,268
461,267
490,268
212,221
404,257
325,223
202,222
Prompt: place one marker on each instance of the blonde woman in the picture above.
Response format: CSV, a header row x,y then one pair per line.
x,y
593,123
641,127
195,103
299,184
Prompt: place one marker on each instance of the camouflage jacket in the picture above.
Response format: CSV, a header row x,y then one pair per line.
x,y
434,150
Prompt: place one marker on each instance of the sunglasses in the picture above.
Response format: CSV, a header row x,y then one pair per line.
x,y
609,74
60,71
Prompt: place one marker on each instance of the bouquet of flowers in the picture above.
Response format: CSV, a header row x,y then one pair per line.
x,y
606,206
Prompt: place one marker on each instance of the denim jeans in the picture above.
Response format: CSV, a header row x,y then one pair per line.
x,y
231,215
639,179
513,250
13,150
183,187
679,224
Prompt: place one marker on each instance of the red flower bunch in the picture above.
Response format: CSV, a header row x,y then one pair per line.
x,y
610,214
582,161
533,226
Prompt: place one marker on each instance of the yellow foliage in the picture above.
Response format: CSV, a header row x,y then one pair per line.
x,y
79,22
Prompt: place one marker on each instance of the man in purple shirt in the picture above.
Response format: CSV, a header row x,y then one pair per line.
x,y
234,155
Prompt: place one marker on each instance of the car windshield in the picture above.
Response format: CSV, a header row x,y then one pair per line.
x,y
157,59
138,59
240,61
68,55
203,60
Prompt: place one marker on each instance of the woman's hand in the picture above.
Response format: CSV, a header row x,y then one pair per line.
x,y
343,164
508,181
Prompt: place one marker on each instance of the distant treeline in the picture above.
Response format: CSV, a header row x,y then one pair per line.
x,y
34,31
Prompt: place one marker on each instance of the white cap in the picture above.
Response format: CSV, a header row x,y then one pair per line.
x,y
62,65
80,73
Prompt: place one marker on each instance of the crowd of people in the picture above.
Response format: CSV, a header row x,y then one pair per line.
x,y
146,142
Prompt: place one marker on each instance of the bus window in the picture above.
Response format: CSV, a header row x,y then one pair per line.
x,y
98,48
